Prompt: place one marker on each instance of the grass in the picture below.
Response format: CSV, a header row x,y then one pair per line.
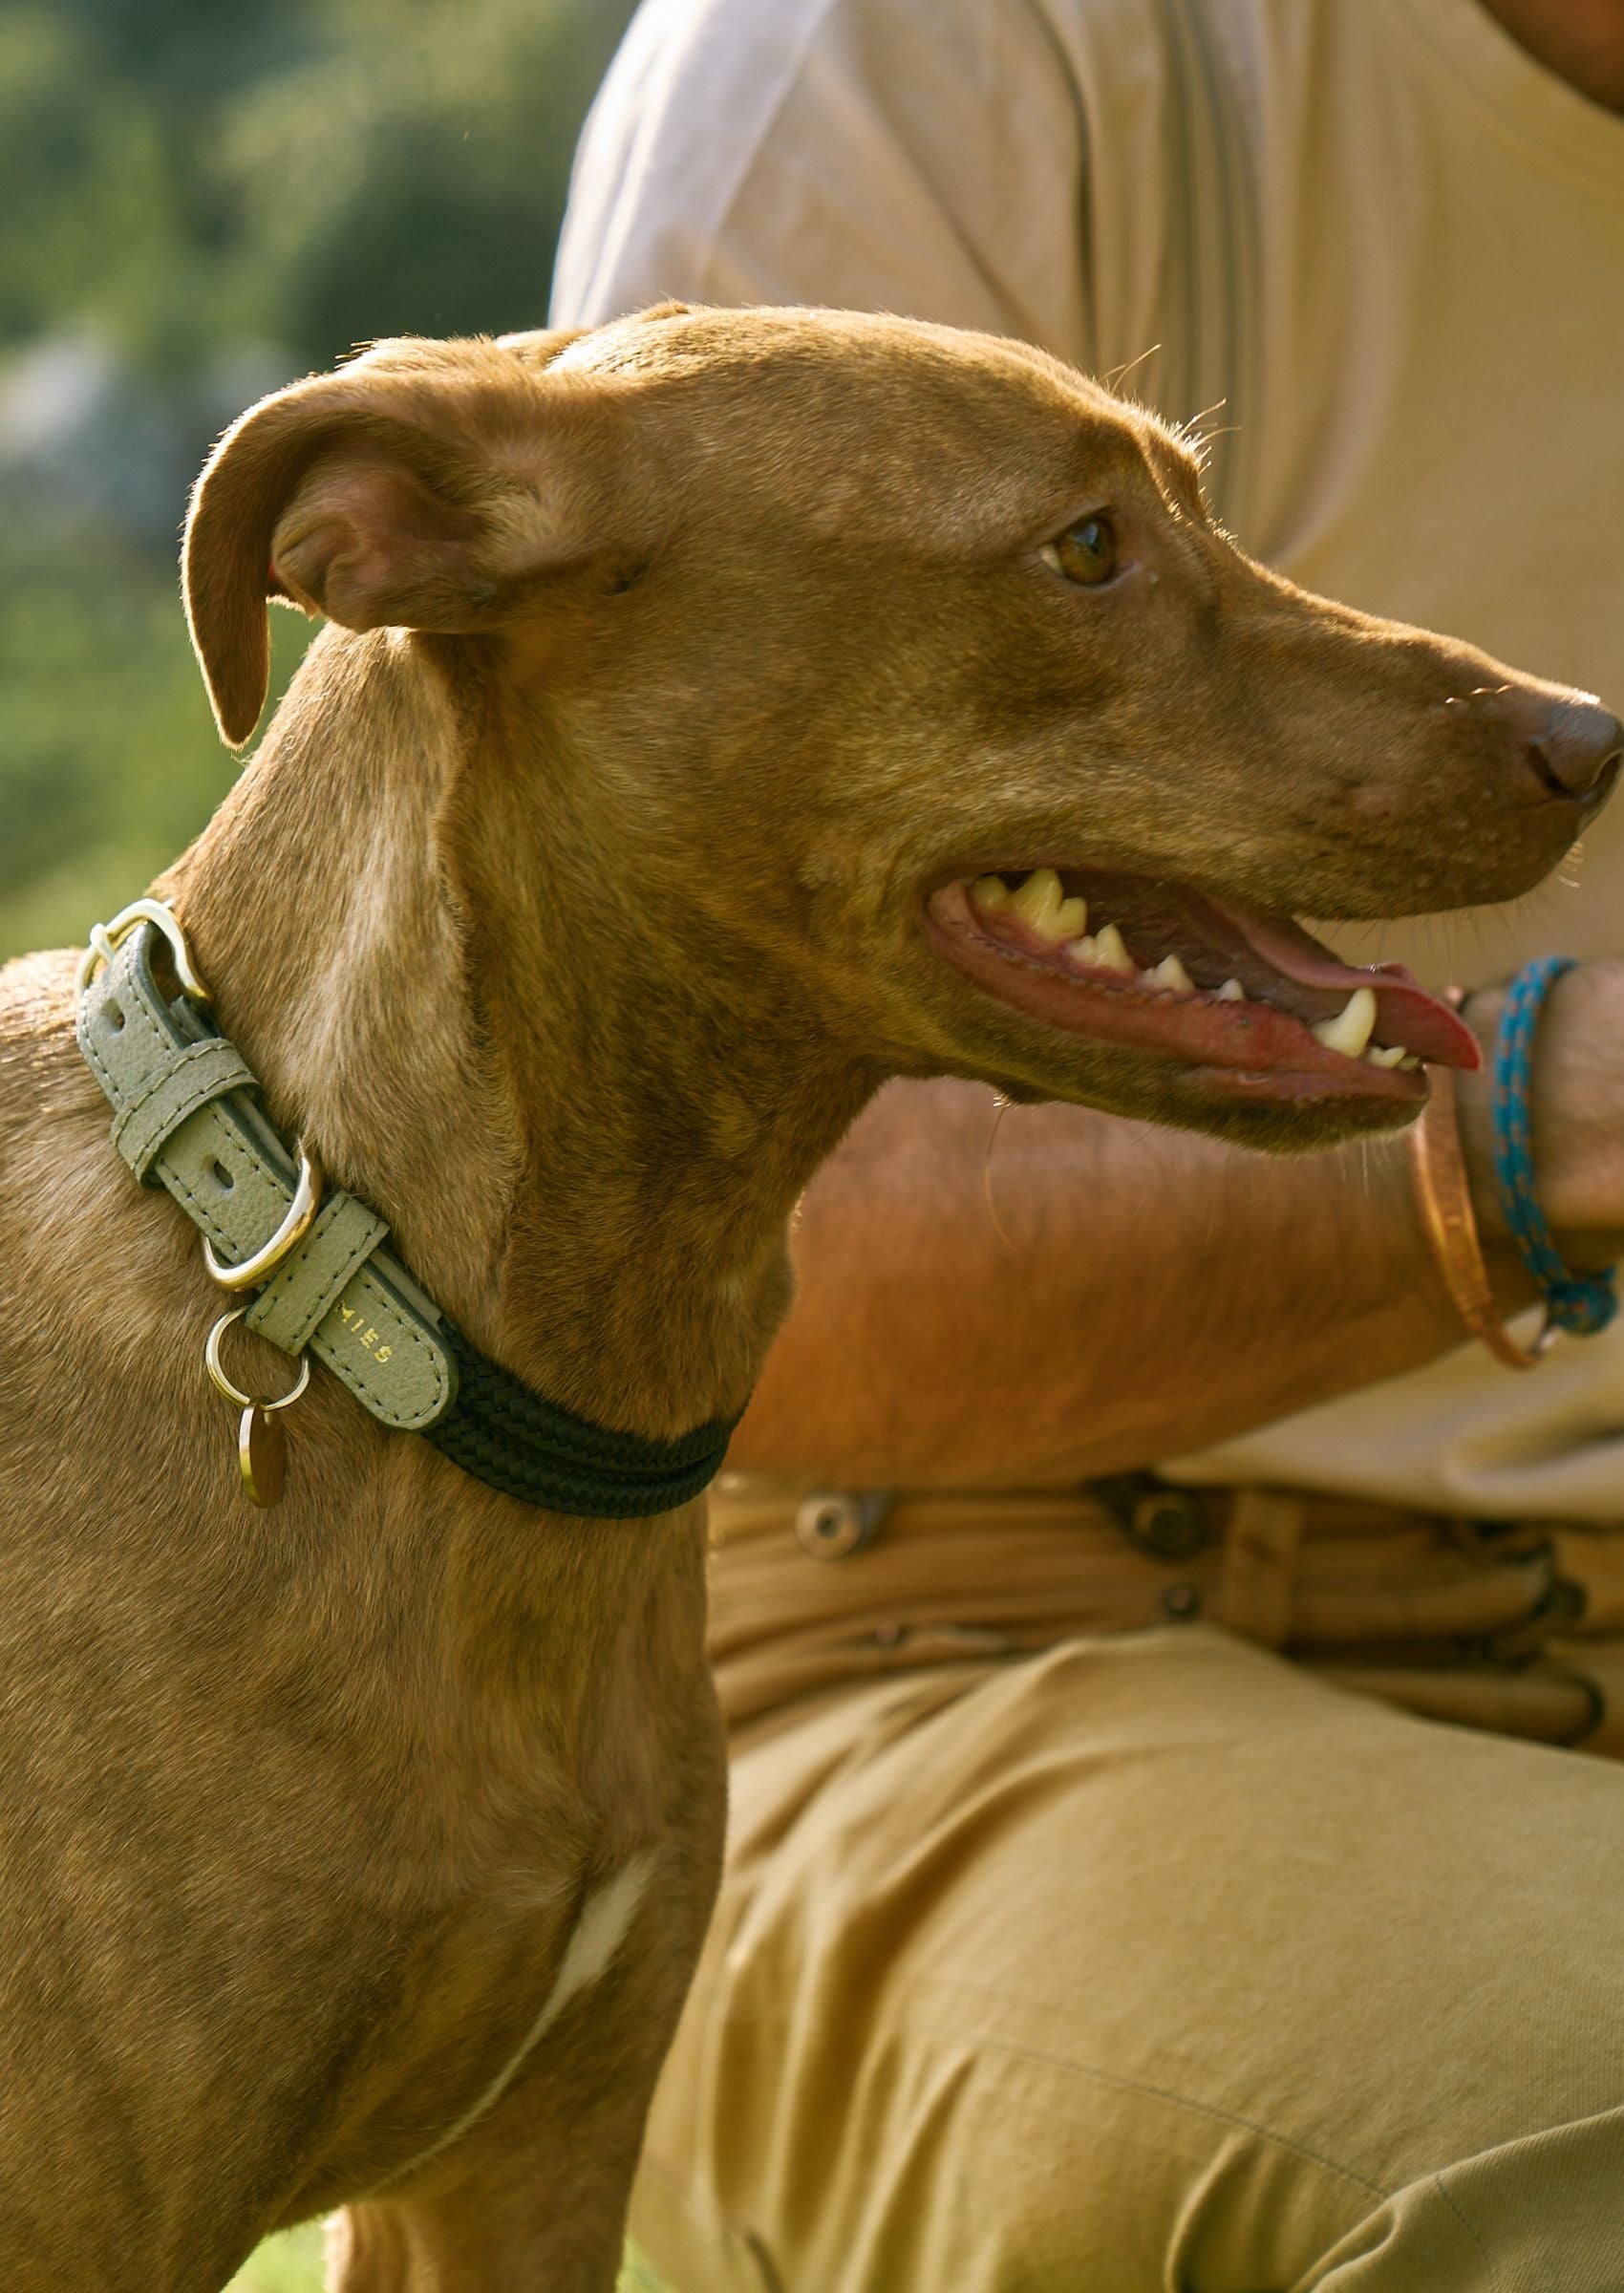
x,y
292,2264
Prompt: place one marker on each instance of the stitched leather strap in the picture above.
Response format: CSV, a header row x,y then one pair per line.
x,y
180,1082
313,1278
184,1116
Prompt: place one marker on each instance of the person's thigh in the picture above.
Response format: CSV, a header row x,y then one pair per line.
x,y
1150,1963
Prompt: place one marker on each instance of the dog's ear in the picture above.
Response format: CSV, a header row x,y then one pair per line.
x,y
413,489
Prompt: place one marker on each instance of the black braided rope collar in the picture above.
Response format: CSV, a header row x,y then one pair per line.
x,y
503,1431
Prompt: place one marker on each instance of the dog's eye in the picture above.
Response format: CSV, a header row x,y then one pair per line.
x,y
1086,554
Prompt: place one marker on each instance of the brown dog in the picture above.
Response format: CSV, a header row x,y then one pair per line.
x,y
611,848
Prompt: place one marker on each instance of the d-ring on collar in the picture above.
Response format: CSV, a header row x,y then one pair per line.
x,y
185,1117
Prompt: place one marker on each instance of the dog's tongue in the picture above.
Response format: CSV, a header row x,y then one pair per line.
x,y
1406,1013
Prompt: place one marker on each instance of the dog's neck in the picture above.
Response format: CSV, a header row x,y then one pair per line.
x,y
594,1180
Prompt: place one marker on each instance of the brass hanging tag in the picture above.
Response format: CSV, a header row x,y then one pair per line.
x,y
262,1446
262,1455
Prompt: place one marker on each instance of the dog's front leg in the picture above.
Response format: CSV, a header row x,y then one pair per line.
x,y
534,2198
533,2194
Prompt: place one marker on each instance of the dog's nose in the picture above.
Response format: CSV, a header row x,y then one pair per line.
x,y
1576,749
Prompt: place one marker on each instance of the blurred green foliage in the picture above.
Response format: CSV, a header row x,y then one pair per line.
x,y
292,2264
196,204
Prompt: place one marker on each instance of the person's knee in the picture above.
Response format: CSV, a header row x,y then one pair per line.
x,y
1527,2216
1141,1966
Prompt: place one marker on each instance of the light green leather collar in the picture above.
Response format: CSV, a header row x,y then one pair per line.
x,y
186,1116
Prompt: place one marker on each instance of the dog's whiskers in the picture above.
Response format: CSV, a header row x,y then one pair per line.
x,y
1119,374
1000,1108
1190,428
1202,447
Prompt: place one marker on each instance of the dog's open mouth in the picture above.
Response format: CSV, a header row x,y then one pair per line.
x,y
1248,999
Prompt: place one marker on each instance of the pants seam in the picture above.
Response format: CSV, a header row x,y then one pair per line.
x,y
1099,2077
1437,2182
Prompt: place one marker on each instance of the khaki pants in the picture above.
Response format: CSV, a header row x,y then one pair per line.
x,y
1149,1962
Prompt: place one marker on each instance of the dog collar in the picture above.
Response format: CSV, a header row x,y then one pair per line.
x,y
185,1117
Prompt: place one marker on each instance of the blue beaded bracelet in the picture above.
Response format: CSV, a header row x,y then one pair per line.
x,y
1581,1303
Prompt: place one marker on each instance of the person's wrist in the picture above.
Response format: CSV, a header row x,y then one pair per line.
x,y
1571,1178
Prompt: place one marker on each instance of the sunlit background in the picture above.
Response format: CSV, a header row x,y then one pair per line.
x,y
198,202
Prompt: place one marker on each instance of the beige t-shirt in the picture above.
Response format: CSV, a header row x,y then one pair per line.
x,y
1383,235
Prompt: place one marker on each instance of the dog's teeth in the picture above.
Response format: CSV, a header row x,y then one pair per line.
x,y
1385,1055
1409,1063
989,893
1231,992
1106,952
1039,892
1038,903
1071,919
1110,950
1349,1031
1170,973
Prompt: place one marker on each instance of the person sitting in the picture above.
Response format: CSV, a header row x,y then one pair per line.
x,y
1153,1638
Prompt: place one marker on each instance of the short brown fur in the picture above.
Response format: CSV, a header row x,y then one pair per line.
x,y
571,910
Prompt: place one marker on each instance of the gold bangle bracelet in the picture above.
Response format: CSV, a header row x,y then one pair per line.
x,y
1442,1192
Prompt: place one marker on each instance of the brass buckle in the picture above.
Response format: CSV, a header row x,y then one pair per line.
x,y
105,939
301,1216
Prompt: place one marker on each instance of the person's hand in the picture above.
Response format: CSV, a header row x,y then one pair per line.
x,y
1578,1104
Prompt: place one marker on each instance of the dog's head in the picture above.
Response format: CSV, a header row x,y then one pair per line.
x,y
911,677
